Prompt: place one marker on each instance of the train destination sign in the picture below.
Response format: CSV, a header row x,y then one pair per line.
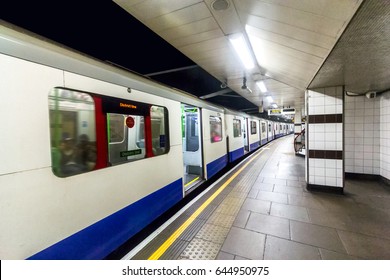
x,y
131,153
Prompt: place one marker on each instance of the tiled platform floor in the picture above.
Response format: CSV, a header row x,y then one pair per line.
x,y
267,213
280,219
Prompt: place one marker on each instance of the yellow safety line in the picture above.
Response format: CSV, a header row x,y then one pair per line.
x,y
161,250
189,183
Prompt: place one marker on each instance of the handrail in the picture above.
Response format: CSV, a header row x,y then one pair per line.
x,y
296,148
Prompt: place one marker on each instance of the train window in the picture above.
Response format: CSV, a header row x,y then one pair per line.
x,y
236,128
159,130
126,140
72,132
191,128
215,129
131,131
263,127
117,131
253,127
269,128
135,130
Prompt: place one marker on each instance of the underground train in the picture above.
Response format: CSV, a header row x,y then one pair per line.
x,y
92,153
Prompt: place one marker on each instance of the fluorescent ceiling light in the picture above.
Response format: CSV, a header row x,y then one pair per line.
x,y
274,105
242,50
270,99
262,86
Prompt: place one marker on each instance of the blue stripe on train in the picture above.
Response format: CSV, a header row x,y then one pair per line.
x,y
216,165
255,145
100,239
264,141
236,154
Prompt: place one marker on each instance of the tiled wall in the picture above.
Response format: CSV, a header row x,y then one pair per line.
x,y
385,136
362,135
297,122
325,137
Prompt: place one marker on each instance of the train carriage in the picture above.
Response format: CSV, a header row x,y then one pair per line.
x,y
93,154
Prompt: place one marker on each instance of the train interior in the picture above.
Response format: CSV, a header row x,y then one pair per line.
x,y
192,147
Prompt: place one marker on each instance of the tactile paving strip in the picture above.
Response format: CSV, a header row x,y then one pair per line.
x,y
243,187
230,206
200,249
220,219
213,233
237,194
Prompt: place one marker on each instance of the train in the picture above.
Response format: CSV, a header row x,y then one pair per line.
x,y
92,154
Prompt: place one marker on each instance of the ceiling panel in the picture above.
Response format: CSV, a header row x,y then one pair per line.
x,y
192,28
180,17
149,9
292,16
290,31
288,41
291,39
196,38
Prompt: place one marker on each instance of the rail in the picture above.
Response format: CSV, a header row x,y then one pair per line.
x,y
299,142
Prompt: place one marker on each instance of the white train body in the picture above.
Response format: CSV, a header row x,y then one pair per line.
x,y
133,125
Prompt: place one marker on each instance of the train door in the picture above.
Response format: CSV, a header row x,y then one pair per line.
x,y
270,136
245,135
192,146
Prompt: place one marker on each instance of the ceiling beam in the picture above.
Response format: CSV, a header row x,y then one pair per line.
x,y
217,93
171,70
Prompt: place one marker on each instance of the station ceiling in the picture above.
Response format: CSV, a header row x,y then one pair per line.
x,y
295,44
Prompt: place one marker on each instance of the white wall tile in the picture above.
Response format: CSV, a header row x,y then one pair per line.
x,y
366,128
330,172
331,146
319,180
329,181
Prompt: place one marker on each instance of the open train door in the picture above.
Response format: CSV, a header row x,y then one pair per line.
x,y
192,146
245,135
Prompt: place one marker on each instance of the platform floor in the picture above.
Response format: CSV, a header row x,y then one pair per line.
x,y
262,210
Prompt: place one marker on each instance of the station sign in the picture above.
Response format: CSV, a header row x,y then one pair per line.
x,y
273,112
285,111
288,111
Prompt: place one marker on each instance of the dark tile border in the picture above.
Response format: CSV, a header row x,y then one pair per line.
x,y
331,118
326,154
385,181
372,177
361,176
327,189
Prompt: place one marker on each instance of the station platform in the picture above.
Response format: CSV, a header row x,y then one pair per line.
x,y
262,210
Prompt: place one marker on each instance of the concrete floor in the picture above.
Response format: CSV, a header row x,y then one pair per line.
x,y
280,219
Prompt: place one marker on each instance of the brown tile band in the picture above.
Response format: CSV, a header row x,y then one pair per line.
x,y
332,118
326,154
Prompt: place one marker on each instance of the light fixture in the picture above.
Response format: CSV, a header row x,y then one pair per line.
x,y
244,86
274,105
262,86
240,46
270,99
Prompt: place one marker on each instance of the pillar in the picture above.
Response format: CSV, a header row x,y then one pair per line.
x,y
324,139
